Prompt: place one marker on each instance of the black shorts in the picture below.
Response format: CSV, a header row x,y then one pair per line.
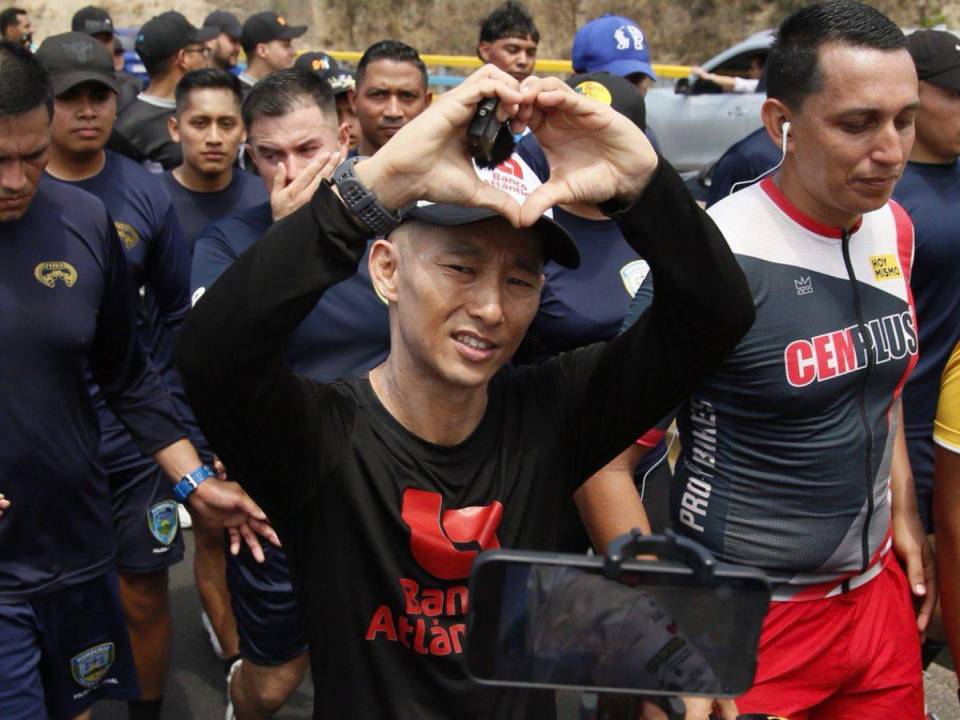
x,y
270,623
62,652
145,520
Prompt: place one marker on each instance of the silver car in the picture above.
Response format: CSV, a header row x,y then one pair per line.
x,y
694,121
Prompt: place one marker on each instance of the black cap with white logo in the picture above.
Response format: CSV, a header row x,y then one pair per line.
x,y
936,53
266,27
226,21
163,36
92,21
73,58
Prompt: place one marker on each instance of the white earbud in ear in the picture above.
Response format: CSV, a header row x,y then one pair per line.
x,y
784,131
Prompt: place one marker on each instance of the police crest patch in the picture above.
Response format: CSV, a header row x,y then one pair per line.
x,y
163,521
633,274
89,667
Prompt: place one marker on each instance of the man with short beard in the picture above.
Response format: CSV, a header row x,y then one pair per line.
x,y
391,90
225,47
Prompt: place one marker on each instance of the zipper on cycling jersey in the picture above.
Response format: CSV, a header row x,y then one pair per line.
x,y
862,392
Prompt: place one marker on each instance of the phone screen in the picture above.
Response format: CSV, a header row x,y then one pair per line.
x,y
544,625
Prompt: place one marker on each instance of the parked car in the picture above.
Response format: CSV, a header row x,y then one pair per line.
x,y
694,121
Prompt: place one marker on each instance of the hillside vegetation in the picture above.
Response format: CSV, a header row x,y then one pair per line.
x,y
681,31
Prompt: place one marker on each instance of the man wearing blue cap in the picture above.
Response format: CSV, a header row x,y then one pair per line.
x,y
616,45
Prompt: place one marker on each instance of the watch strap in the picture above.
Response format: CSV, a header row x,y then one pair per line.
x,y
191,481
361,201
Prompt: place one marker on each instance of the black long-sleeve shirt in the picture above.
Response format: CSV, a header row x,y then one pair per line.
x,y
381,526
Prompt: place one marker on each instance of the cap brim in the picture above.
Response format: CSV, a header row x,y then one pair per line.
x,y
949,79
208,32
63,82
627,67
558,245
292,31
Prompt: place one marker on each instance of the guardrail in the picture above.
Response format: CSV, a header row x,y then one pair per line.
x,y
550,67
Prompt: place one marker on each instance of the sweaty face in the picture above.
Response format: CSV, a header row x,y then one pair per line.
x,y
277,54
210,130
389,96
464,297
225,51
293,139
24,141
938,125
83,118
852,139
513,55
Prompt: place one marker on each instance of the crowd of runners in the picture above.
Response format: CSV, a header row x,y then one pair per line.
x,y
284,306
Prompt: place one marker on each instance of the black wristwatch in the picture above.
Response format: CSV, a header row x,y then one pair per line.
x,y
361,201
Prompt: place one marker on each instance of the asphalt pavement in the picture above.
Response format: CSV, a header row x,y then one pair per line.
x,y
197,688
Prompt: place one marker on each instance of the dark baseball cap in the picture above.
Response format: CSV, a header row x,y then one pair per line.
x,y
224,21
92,21
163,36
936,53
316,62
73,58
612,44
558,245
341,80
615,91
267,26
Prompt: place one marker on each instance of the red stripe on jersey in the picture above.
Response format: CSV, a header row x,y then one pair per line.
x,y
650,438
905,254
800,217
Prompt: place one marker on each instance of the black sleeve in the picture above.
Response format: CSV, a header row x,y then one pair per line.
x,y
131,386
267,423
607,395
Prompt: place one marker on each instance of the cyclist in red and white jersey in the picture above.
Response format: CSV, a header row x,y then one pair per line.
x,y
793,454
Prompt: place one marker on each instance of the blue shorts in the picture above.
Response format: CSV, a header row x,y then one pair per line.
x,y
62,652
269,621
145,520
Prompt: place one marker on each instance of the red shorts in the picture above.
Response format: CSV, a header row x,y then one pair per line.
x,y
854,656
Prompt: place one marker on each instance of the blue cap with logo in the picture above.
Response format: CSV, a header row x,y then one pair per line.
x,y
612,44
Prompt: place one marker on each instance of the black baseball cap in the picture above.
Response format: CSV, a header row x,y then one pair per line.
x,y
92,21
316,61
73,58
163,36
341,80
267,26
225,22
936,53
612,90
558,245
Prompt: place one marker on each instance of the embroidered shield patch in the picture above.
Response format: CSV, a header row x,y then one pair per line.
x,y
163,521
89,667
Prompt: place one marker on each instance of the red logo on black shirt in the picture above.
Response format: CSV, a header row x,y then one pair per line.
x,y
445,543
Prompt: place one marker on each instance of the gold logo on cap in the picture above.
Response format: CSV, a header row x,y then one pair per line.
x,y
47,273
317,64
281,20
595,91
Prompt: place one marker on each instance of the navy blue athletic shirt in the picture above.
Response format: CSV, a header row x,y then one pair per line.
x,y
587,305
348,331
157,261
743,161
196,210
66,306
931,196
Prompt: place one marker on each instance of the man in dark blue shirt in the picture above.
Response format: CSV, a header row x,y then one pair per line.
x,y
205,188
155,259
743,163
210,131
347,332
